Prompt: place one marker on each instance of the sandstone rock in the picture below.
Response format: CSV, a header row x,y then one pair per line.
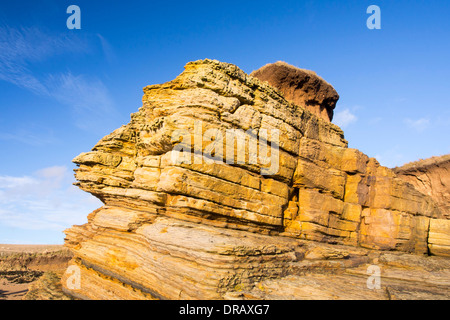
x,y
47,287
345,275
215,226
302,87
439,237
430,177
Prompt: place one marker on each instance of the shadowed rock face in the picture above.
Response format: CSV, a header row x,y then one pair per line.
x,y
302,87
221,230
431,177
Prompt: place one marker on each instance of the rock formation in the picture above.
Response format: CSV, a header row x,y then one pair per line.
x,y
208,227
431,177
301,87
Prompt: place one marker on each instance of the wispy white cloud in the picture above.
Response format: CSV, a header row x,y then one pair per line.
x,y
390,159
400,99
45,200
107,49
21,47
344,118
7,182
30,134
419,125
32,44
375,120
86,96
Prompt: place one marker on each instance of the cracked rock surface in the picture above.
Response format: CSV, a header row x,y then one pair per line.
x,y
220,230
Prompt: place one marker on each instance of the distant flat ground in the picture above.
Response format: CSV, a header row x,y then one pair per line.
x,y
12,291
16,291
30,248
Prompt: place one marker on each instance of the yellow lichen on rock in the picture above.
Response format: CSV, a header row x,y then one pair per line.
x,y
211,228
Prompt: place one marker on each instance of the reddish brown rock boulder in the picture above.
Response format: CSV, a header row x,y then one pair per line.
x,y
301,87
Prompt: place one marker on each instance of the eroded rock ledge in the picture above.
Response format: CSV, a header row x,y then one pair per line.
x,y
224,231
301,87
431,177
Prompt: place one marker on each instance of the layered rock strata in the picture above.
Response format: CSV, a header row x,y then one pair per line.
x,y
290,198
431,177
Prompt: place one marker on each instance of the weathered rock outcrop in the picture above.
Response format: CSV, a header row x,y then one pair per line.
x,y
291,203
431,177
301,87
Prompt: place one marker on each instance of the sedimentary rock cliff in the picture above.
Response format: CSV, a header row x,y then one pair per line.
x,y
288,205
431,177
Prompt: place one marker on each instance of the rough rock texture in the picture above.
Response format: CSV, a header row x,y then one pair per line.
x,y
47,287
301,87
228,230
431,177
24,266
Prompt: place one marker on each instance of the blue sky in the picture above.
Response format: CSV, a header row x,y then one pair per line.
x,y
61,90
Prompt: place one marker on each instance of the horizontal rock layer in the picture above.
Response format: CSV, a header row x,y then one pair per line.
x,y
431,177
218,224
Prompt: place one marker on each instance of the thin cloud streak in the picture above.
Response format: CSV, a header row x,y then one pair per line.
x,y
21,47
419,125
46,200
30,134
87,97
107,49
344,118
